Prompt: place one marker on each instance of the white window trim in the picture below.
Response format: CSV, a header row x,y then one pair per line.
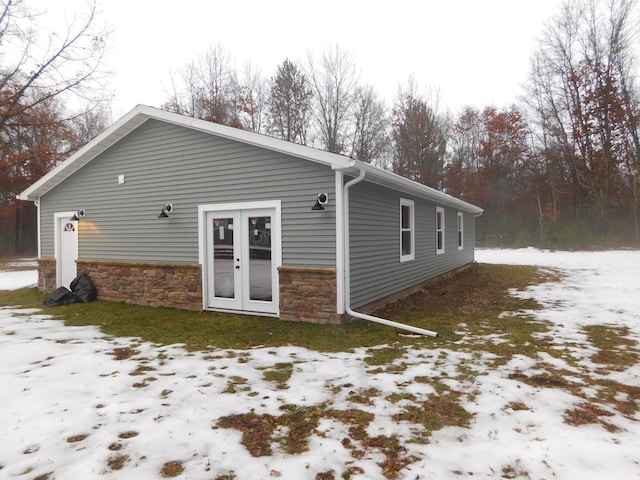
x,y
460,232
408,203
440,251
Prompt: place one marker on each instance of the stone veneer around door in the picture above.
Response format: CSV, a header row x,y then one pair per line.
x,y
307,294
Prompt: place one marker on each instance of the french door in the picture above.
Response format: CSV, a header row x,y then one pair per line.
x,y
242,258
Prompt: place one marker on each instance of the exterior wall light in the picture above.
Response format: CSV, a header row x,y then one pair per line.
x,y
78,215
321,199
166,210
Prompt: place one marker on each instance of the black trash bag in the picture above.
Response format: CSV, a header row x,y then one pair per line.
x,y
83,288
61,296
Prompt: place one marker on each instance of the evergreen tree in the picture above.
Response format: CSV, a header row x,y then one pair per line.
x,y
289,105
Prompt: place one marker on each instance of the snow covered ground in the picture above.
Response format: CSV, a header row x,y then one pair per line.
x,y
71,409
12,280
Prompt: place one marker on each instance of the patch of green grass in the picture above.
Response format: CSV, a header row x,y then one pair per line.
x,y
395,454
117,462
615,349
364,396
257,431
437,412
260,432
301,422
25,297
396,397
474,297
384,356
589,413
358,421
624,398
517,406
279,374
550,378
172,469
124,353
237,384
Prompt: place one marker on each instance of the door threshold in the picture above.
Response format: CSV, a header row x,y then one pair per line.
x,y
242,312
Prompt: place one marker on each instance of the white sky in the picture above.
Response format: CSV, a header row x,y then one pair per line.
x,y
475,51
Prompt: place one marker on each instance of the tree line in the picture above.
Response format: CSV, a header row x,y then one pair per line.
x,y
557,168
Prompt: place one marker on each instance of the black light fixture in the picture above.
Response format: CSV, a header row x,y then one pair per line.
x,y
166,210
78,215
321,199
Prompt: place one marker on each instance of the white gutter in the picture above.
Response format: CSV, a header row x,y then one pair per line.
x,y
347,269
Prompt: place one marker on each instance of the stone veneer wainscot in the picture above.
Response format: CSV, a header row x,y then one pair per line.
x,y
307,294
177,285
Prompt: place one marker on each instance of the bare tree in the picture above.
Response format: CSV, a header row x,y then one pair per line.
x,y
36,69
44,74
581,94
370,137
252,98
93,120
209,88
463,159
334,79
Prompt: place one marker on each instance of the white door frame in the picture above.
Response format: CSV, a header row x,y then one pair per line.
x,y
57,244
230,209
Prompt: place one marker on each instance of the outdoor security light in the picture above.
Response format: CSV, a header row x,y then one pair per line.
x,y
166,210
78,215
321,199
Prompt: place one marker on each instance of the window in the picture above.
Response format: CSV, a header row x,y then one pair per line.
x,y
460,231
439,230
406,230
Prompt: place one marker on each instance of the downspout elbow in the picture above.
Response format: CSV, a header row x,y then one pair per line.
x,y
390,323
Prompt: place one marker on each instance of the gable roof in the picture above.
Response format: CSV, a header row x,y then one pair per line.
x,y
142,113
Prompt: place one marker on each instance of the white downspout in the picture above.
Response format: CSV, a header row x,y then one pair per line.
x,y
347,269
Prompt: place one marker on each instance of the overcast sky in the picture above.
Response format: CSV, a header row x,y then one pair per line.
x,y
475,51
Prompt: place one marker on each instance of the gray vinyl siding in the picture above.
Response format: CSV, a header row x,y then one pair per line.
x,y
165,163
376,270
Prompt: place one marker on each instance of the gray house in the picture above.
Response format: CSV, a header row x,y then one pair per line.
x,y
166,210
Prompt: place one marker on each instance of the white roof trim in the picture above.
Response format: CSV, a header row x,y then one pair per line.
x,y
396,182
142,113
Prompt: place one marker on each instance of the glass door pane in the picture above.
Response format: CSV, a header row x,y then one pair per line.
x,y
260,272
223,258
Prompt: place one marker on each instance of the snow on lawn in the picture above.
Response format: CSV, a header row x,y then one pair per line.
x,y
79,404
14,280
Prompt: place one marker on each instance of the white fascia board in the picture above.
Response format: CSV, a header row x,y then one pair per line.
x,y
142,113
256,139
404,185
107,138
